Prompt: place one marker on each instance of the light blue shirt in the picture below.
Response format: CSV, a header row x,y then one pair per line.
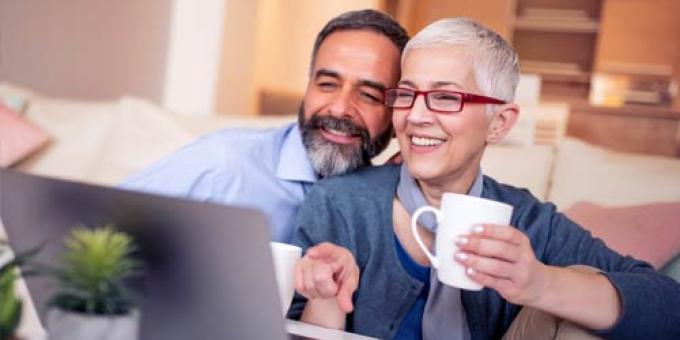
x,y
266,169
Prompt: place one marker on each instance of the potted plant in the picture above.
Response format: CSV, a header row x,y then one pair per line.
x,y
10,304
91,301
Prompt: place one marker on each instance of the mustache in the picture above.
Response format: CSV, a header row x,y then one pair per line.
x,y
345,125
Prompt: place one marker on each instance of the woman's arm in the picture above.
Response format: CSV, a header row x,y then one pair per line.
x,y
325,313
327,276
501,257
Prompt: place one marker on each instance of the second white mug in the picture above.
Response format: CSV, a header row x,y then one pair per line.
x,y
285,257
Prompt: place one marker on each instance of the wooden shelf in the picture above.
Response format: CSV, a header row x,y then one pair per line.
x,y
556,71
646,129
550,24
556,39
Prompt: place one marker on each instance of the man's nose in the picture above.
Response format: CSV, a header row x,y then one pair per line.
x,y
420,113
341,105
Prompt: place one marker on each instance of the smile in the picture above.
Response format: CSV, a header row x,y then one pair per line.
x,y
425,141
338,136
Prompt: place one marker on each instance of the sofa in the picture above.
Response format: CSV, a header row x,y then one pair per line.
x,y
632,201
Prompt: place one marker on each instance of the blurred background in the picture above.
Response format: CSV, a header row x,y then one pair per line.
x,y
232,56
614,63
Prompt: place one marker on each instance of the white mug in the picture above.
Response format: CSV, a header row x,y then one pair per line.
x,y
457,216
285,257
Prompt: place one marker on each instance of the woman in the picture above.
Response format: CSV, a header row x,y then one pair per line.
x,y
363,271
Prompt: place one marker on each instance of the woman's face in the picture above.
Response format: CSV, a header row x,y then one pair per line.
x,y
440,147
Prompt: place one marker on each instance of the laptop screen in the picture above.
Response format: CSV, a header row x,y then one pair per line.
x,y
208,270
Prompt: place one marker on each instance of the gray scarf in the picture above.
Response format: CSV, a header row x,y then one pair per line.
x,y
444,316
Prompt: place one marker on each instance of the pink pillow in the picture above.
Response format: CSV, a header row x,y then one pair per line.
x,y
18,137
649,232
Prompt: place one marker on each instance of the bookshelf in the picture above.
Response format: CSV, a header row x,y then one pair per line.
x,y
556,39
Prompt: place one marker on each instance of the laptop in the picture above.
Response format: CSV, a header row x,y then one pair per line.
x,y
208,268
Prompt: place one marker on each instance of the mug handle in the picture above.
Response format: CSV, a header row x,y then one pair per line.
x,y
414,229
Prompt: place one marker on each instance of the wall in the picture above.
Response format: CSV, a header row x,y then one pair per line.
x,y
193,58
640,31
416,14
236,82
85,49
285,35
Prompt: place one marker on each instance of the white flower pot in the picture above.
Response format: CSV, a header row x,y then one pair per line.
x,y
63,325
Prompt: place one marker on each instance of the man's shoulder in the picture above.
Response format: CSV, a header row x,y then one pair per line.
x,y
226,146
223,154
244,137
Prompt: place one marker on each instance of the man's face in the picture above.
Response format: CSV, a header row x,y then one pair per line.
x,y
343,120
437,147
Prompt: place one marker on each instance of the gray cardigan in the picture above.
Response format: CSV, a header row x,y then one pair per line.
x,y
355,211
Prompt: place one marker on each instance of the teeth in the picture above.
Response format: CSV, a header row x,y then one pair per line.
x,y
338,132
421,141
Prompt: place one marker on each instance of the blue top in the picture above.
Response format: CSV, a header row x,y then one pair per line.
x,y
411,327
266,169
355,211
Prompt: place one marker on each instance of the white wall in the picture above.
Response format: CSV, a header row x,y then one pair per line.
x,y
286,33
237,61
193,55
85,49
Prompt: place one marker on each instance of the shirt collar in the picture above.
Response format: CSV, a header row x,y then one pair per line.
x,y
294,165
476,188
412,198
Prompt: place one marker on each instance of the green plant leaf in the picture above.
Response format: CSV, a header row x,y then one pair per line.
x,y
10,306
94,265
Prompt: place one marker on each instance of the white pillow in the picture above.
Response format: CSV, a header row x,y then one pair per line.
x,y
585,172
78,129
524,167
140,134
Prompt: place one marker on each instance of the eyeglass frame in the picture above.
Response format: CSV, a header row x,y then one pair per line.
x,y
465,98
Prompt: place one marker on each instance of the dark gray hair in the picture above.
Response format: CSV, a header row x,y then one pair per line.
x,y
366,19
495,62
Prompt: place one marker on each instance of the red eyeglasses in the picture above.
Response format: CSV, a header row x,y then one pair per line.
x,y
435,100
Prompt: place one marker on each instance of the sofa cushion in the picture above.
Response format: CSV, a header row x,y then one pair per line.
x,y
586,172
672,268
141,133
525,167
18,137
16,98
649,232
78,129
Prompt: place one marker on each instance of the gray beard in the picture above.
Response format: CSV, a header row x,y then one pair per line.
x,y
332,159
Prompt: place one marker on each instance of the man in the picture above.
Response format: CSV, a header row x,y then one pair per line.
x,y
342,124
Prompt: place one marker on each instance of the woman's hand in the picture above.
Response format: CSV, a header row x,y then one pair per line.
x,y
328,271
501,257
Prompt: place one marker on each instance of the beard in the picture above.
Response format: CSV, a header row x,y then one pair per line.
x,y
331,159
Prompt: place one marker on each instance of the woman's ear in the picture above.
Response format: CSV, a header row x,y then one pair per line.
x,y
502,121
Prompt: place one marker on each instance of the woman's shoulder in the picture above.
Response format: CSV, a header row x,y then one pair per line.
x,y
507,193
366,179
527,206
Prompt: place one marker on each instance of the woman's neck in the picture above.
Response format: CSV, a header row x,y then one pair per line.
x,y
457,183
